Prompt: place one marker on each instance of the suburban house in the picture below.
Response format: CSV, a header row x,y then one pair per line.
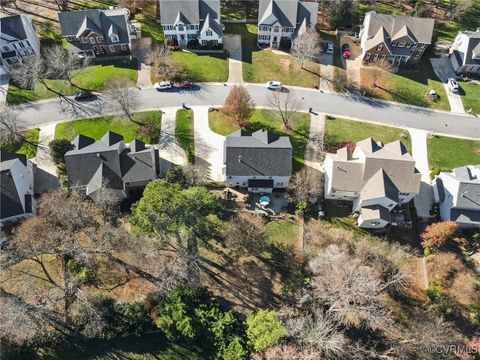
x,y
110,163
282,21
18,40
192,22
96,33
376,178
259,161
397,39
458,195
16,185
465,52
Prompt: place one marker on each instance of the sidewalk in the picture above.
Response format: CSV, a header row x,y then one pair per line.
x,y
424,200
314,148
208,146
171,154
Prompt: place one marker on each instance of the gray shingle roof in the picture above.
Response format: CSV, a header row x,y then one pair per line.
x,y
187,10
14,26
76,23
10,203
261,153
289,13
375,212
379,185
468,196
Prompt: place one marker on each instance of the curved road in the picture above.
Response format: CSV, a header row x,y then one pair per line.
x,y
352,106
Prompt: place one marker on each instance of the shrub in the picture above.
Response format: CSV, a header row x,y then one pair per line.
x,y
475,316
58,148
434,172
427,251
301,208
436,234
149,133
264,329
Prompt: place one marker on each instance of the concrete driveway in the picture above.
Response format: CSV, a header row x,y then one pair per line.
x,y
140,49
233,44
443,69
326,72
171,154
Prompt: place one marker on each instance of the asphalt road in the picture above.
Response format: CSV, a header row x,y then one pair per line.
x,y
355,107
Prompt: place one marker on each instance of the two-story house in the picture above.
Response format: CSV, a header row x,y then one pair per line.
x,y
18,40
110,163
259,161
16,187
393,38
282,21
96,33
465,52
193,22
458,195
376,178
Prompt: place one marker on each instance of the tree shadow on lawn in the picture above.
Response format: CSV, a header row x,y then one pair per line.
x,y
132,63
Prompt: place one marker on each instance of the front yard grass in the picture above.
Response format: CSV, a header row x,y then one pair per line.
x,y
203,67
263,65
406,86
97,127
264,119
448,153
340,131
94,78
471,96
28,147
184,132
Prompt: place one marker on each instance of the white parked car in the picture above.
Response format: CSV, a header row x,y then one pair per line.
x,y
453,85
329,49
274,85
163,85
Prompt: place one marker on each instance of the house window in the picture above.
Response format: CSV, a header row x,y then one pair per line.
x,y
70,38
374,222
423,46
5,48
124,47
367,56
375,57
204,42
276,29
95,48
112,48
99,39
380,47
92,40
209,33
394,43
114,38
408,45
180,27
401,44
83,40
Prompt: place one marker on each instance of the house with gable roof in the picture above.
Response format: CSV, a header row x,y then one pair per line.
x,y
282,21
110,163
376,178
465,52
96,33
397,39
192,22
18,40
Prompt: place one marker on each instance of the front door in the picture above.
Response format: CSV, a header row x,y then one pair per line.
x,y
182,41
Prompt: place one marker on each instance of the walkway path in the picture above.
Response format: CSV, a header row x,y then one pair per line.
x,y
45,172
443,69
424,199
141,48
171,154
4,80
233,43
208,146
313,150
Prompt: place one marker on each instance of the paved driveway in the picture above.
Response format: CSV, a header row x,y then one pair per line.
x,y
208,146
233,43
326,72
443,69
140,49
171,154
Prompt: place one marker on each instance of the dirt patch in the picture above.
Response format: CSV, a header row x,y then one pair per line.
x,y
285,63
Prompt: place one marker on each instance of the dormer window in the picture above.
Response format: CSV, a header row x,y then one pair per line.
x,y
209,33
401,44
114,37
380,47
70,38
180,27
276,29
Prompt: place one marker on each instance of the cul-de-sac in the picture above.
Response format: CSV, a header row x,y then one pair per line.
x,y
240,179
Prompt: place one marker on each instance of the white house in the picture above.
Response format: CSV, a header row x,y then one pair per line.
x,y
192,22
376,178
282,21
464,53
458,195
259,161
16,184
18,40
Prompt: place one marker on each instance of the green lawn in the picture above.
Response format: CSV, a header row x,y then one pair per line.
x,y
97,127
468,20
284,232
27,147
203,67
406,86
263,119
184,133
93,4
448,153
471,96
239,10
262,65
339,131
94,78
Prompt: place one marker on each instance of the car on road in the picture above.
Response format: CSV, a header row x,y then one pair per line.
x,y
163,85
273,85
329,48
346,51
453,85
186,84
84,95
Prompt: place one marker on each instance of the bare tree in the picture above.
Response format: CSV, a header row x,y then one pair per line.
x,y
120,93
107,200
307,46
9,129
62,4
245,234
7,3
238,106
285,106
304,185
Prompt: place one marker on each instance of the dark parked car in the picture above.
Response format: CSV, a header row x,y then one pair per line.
x,y
186,84
85,95
346,51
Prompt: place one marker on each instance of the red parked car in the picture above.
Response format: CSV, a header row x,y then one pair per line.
x,y
186,84
346,51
